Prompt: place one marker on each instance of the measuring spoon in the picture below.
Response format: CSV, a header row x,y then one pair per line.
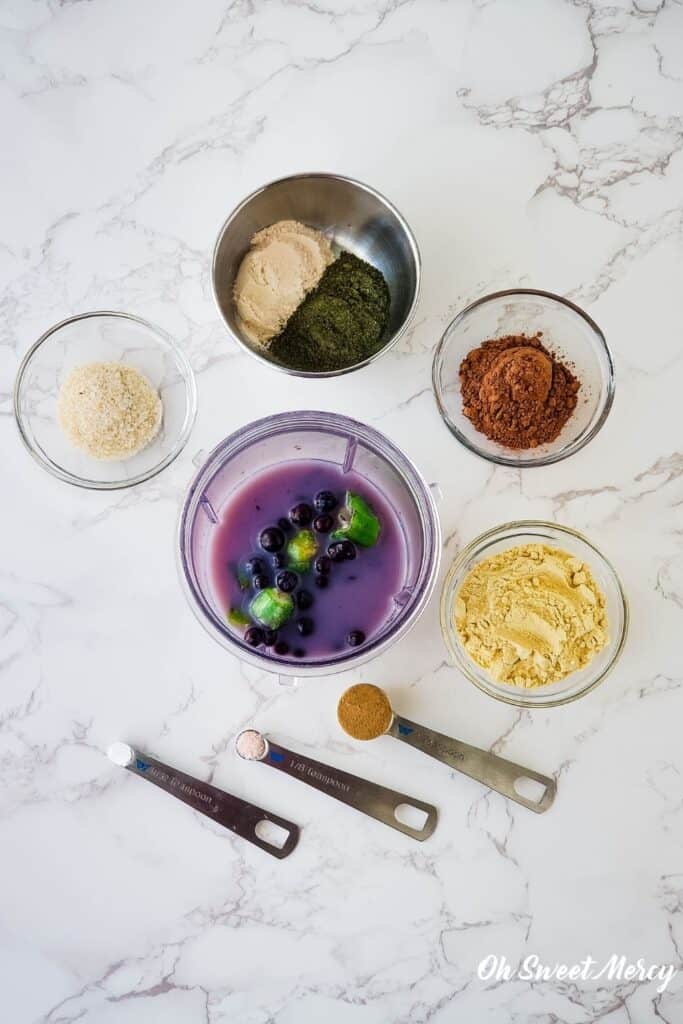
x,y
242,818
497,773
376,801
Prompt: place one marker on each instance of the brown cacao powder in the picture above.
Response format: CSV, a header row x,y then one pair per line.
x,y
516,392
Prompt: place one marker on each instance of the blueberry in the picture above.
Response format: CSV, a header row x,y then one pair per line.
x,y
301,514
335,551
322,581
355,638
304,600
284,525
269,637
286,581
260,581
341,551
324,501
305,626
279,561
253,636
281,647
299,652
272,539
323,564
323,523
254,566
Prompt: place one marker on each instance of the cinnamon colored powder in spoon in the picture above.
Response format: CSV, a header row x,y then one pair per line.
x,y
364,711
516,392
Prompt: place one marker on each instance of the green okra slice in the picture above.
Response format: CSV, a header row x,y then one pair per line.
x,y
271,607
238,618
301,550
357,522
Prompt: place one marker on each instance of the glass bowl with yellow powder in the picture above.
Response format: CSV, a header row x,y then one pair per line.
x,y
533,614
105,400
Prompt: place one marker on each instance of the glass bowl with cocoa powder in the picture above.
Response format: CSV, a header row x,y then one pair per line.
x,y
523,378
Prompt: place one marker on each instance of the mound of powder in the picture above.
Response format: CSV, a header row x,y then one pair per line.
x,y
284,263
531,615
251,745
364,711
342,322
516,392
109,410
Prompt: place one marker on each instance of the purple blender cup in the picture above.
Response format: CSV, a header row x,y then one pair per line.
x,y
249,483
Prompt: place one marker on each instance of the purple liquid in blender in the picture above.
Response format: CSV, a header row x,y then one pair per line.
x,y
360,593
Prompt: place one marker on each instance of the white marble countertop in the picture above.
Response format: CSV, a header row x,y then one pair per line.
x,y
534,143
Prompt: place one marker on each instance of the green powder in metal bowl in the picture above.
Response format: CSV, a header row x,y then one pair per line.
x,y
341,322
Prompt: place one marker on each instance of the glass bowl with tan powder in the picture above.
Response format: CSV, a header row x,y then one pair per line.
x,y
105,400
533,614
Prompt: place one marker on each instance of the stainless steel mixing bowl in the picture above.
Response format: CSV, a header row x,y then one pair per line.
x,y
354,216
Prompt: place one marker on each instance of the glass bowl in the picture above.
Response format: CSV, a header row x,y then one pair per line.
x,y
292,437
353,216
537,532
567,332
103,337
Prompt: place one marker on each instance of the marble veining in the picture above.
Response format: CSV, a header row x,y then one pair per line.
x,y
535,143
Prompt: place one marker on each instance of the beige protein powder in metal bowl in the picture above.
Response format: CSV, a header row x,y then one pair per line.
x,y
109,410
285,262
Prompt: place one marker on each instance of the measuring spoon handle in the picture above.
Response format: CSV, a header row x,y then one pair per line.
x,y
495,772
227,810
376,801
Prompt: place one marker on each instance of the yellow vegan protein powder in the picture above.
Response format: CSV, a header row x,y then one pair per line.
x,y
109,410
531,615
